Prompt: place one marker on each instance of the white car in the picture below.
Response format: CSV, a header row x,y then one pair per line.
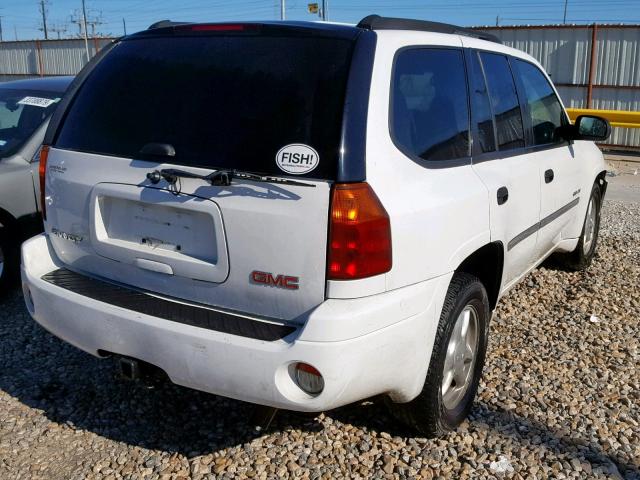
x,y
305,215
25,109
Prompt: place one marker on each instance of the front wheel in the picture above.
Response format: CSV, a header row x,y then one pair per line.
x,y
582,256
456,363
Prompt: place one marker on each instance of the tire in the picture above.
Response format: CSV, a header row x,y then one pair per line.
x,y
441,406
581,257
9,261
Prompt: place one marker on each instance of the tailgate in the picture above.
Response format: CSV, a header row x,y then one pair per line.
x,y
252,247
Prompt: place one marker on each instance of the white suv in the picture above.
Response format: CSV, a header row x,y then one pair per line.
x,y
304,215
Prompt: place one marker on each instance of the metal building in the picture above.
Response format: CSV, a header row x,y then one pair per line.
x,y
37,58
604,77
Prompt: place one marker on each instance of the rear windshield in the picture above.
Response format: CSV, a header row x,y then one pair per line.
x,y
220,101
21,113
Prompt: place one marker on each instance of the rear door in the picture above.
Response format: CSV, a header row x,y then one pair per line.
x,y
500,160
201,101
559,167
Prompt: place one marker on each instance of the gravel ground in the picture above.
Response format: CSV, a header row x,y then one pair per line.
x,y
560,399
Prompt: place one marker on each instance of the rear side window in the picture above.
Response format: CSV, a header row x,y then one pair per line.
x,y
504,100
483,117
220,101
430,113
545,110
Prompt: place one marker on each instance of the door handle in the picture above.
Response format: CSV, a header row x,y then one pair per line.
x,y
548,176
503,195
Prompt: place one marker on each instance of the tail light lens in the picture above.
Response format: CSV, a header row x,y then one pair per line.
x,y
359,233
42,169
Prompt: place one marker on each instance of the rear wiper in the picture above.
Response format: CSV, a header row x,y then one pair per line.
x,y
222,178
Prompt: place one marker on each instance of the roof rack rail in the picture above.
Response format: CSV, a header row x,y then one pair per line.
x,y
165,23
376,22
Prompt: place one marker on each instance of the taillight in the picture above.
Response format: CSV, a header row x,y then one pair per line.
x,y
42,169
359,233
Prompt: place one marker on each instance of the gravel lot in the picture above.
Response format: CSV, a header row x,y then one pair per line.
x,y
560,398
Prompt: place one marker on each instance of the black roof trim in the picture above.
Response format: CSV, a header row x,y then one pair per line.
x,y
376,22
165,24
293,28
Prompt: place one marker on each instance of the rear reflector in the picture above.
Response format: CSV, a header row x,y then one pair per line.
x,y
42,169
359,233
309,379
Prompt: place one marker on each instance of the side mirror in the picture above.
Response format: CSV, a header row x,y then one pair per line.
x,y
590,127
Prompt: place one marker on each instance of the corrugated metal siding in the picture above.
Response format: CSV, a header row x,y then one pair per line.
x,y
566,53
563,53
41,58
618,57
18,58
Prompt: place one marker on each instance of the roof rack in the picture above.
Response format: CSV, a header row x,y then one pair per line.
x,y
165,23
376,22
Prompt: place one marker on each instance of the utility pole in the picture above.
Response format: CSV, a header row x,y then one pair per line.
x,y
124,26
84,21
325,10
283,13
497,20
43,11
0,28
15,32
564,19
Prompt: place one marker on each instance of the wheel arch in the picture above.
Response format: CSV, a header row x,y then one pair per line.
x,y
601,180
486,263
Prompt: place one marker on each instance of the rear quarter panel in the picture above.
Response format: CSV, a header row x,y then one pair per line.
x,y
439,216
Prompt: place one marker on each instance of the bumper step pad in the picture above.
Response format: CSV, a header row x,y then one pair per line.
x,y
147,304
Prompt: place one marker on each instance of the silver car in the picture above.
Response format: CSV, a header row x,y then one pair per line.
x,y
25,109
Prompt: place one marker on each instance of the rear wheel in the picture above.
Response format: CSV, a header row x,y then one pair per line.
x,y
8,260
456,363
582,256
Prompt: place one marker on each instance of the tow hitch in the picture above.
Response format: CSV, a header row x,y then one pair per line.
x,y
129,368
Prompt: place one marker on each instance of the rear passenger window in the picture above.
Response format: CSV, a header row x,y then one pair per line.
x,y
483,118
504,100
430,113
545,109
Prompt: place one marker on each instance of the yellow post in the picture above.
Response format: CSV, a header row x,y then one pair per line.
x,y
617,118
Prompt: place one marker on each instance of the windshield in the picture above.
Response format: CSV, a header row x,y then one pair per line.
x,y
233,102
21,113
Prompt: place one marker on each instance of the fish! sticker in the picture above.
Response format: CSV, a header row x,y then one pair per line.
x,y
297,159
38,101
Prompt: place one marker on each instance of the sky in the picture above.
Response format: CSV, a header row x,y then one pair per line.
x,y
22,18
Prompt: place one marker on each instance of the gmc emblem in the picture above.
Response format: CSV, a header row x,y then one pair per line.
x,y
281,281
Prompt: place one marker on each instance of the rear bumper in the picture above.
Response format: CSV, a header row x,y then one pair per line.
x,y
362,347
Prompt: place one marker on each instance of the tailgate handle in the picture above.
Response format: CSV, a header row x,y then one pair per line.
x,y
153,266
